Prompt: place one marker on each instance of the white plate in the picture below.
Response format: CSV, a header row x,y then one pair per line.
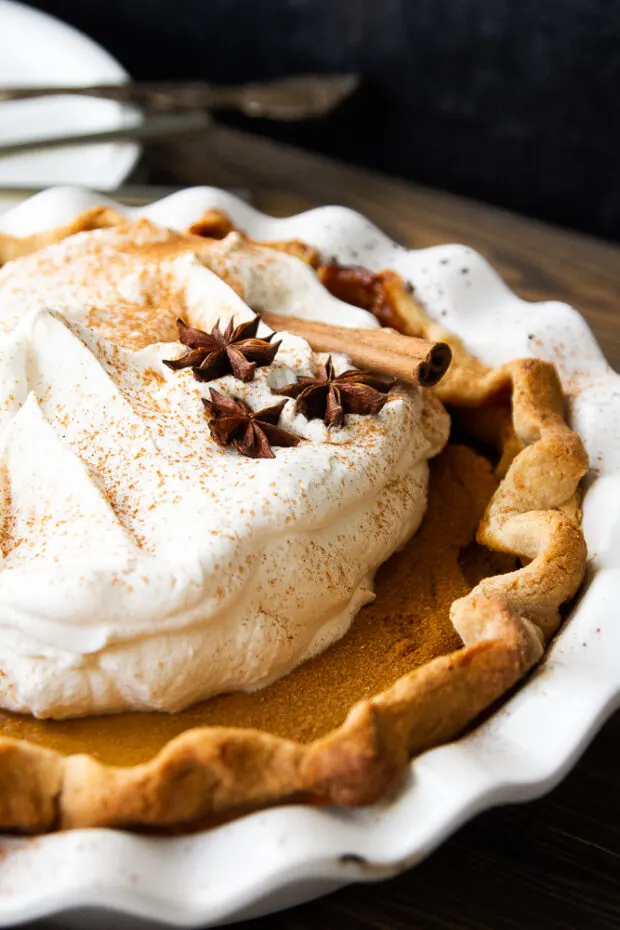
x,y
284,856
37,49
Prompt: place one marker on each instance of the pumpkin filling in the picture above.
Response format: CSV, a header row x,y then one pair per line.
x,y
406,626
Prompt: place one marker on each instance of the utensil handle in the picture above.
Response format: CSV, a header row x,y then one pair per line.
x,y
196,95
156,127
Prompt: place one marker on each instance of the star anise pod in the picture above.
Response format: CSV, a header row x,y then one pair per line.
x,y
232,422
329,397
214,354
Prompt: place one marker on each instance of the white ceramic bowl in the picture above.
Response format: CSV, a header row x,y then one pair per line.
x,y
281,857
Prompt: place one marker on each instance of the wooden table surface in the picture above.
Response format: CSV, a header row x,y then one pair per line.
x,y
553,863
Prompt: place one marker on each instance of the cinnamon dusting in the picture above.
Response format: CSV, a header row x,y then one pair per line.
x,y
12,247
134,326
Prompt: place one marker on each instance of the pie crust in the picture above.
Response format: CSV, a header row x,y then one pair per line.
x,y
212,773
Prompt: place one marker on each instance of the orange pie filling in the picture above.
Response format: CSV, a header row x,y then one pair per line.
x,y
405,627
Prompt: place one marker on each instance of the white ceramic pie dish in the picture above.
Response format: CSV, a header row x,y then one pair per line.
x,y
284,856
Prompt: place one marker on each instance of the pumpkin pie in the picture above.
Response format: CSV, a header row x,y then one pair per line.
x,y
236,570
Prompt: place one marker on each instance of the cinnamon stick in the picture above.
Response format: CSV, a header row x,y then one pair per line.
x,y
407,358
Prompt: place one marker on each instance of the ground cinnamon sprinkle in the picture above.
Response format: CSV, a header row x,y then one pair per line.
x,y
406,626
135,327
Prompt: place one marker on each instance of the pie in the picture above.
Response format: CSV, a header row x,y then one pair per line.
x,y
195,506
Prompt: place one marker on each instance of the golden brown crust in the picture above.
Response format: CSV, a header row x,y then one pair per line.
x,y
30,783
468,382
298,249
12,247
209,771
504,623
213,224
534,513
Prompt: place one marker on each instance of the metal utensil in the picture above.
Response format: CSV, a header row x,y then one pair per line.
x,y
153,127
292,98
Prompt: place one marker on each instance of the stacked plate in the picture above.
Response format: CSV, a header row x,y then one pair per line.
x,y
38,49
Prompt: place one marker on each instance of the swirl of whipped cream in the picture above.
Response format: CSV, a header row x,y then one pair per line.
x,y
143,566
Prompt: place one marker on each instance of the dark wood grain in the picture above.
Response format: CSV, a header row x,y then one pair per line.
x,y
552,864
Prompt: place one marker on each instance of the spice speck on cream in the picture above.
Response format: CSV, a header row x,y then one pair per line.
x,y
175,525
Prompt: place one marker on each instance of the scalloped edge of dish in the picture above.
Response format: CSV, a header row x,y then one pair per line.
x,y
521,752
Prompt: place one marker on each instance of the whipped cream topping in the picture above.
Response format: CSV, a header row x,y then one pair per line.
x,y
143,566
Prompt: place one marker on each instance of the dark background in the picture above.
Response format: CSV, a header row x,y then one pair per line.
x,y
515,102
